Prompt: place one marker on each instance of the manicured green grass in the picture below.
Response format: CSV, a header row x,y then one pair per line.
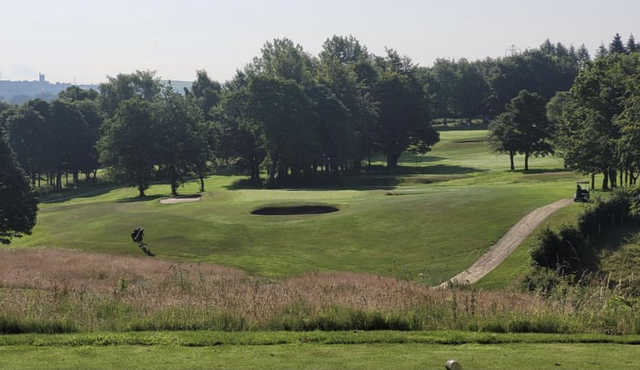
x,y
313,356
318,350
431,228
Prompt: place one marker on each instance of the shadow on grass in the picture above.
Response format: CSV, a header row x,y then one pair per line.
x,y
376,178
419,158
352,182
75,194
142,199
535,171
438,169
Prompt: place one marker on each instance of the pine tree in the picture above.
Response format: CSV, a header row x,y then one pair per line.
x,y
602,51
631,44
616,45
18,204
583,55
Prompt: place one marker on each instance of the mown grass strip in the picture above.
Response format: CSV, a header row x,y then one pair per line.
x,y
214,338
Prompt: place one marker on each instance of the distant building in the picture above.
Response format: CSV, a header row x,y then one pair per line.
x,y
41,77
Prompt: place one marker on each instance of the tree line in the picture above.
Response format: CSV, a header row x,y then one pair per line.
x,y
288,113
594,125
598,119
292,114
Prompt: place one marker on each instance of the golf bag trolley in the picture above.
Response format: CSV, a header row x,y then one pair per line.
x,y
137,235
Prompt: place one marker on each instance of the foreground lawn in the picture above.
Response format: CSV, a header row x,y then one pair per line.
x,y
315,356
444,211
318,350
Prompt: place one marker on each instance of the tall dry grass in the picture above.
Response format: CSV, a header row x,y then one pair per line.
x,y
52,290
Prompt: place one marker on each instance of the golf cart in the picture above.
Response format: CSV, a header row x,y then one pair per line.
x,y
582,194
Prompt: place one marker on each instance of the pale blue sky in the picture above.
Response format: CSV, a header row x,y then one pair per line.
x,y
89,39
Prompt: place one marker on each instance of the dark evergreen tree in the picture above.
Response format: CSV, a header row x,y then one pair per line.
x,y
616,45
602,51
632,47
583,56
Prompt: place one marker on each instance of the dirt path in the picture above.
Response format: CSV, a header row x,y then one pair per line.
x,y
507,244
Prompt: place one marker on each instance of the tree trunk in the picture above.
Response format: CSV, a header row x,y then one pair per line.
x,y
526,161
605,180
174,188
392,160
201,184
173,179
255,172
141,191
613,178
593,181
513,166
357,166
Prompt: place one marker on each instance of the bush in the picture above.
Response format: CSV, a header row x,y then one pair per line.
x,y
574,250
566,252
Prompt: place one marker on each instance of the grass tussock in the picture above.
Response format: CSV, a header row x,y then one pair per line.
x,y
54,291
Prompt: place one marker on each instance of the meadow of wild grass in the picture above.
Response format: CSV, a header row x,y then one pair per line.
x,y
49,290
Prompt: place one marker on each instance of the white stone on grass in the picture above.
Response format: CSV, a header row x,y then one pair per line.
x,y
453,365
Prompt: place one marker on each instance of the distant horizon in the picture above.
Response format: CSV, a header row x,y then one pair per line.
x,y
84,42
78,83
507,48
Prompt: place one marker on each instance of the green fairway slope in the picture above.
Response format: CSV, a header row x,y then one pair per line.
x,y
428,229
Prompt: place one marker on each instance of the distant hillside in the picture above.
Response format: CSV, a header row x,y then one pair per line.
x,y
18,92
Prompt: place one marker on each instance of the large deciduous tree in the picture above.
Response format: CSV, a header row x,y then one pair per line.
x,y
176,129
404,116
18,203
129,143
236,135
523,128
285,113
533,127
503,136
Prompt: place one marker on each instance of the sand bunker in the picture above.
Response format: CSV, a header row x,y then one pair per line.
x,y
186,199
294,210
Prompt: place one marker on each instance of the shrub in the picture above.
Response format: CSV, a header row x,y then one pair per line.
x,y
573,250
